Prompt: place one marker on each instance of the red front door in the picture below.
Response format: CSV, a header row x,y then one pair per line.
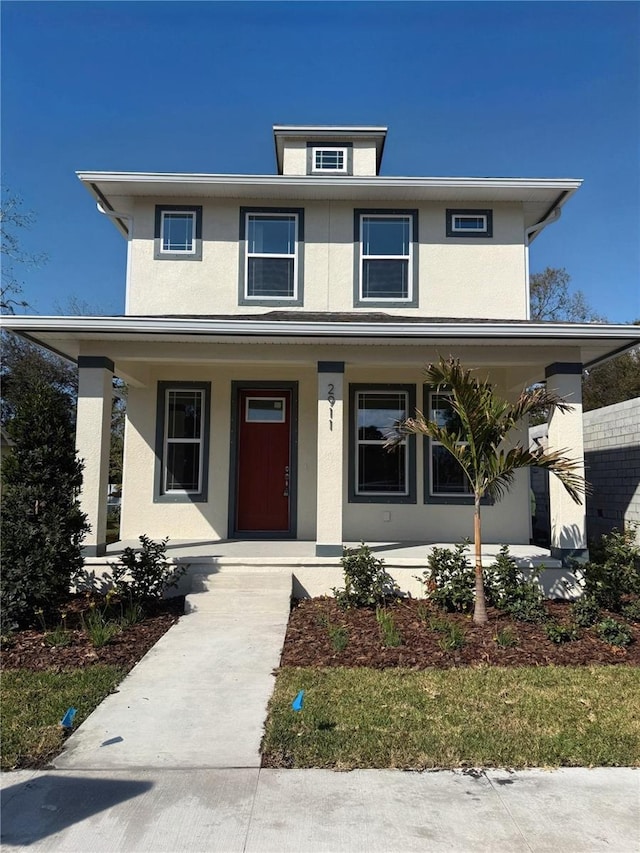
x,y
264,463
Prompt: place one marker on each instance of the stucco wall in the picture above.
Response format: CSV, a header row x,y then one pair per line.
x,y
464,278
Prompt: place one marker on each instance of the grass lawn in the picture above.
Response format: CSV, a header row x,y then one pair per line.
x,y
466,717
33,703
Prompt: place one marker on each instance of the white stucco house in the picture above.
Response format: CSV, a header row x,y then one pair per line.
x,y
277,325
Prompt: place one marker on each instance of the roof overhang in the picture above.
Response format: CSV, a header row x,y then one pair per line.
x,y
67,335
538,196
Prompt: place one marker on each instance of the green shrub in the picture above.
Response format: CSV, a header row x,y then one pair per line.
x,y
631,610
388,628
502,580
366,582
146,574
100,630
615,633
585,611
614,570
561,633
506,638
450,579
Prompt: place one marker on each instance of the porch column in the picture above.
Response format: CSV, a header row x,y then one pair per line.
x,y
330,437
93,438
568,519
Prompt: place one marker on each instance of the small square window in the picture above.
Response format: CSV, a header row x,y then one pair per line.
x,y
178,233
469,223
386,271
329,160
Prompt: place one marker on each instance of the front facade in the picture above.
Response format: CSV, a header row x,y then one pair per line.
x,y
277,326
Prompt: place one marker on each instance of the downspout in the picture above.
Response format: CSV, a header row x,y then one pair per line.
x,y
530,233
120,216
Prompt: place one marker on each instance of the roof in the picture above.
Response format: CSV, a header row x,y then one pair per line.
x,y
333,133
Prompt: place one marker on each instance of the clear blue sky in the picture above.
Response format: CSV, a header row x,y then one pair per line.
x,y
539,89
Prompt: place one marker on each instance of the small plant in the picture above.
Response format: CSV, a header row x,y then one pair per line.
x,y
99,629
131,614
453,638
585,611
561,633
614,570
388,628
59,636
146,574
439,624
338,636
502,579
366,581
506,638
450,579
631,610
615,633
527,605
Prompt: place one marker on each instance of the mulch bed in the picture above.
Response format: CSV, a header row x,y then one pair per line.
x,y
308,640
29,649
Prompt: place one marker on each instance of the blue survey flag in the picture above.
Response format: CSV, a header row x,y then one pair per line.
x,y
298,701
67,721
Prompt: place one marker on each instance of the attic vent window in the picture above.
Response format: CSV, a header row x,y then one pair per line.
x,y
469,223
329,160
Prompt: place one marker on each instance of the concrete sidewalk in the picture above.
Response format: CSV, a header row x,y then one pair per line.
x,y
308,811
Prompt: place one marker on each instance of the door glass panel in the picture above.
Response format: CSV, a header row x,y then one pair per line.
x,y
265,410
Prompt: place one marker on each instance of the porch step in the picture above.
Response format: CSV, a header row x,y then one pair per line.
x,y
222,592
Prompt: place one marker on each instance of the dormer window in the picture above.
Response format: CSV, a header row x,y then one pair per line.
x,y
178,233
469,223
329,159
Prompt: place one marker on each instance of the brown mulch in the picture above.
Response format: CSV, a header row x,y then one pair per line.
x,y
308,640
30,650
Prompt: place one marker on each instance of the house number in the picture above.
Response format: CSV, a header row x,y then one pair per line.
x,y
331,398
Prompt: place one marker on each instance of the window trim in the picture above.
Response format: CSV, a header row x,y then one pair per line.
x,y
160,494
486,232
319,150
328,145
411,301
159,253
381,498
266,212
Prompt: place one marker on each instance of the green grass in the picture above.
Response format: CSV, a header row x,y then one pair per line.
x,y
33,703
471,717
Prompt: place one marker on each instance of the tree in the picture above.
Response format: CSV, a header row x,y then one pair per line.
x,y
42,526
12,219
552,300
475,435
613,381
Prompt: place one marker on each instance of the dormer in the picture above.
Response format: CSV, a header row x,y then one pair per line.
x,y
329,150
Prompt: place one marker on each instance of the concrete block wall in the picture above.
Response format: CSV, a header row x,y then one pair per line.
x,y
612,464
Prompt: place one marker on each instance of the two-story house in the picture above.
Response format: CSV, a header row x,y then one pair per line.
x,y
276,326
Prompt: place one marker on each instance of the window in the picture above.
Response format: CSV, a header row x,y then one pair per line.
x,y
182,441
469,223
178,233
378,474
386,272
329,159
445,477
271,243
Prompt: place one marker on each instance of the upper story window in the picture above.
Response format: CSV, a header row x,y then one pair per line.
x,y
387,268
469,223
178,232
271,245
329,159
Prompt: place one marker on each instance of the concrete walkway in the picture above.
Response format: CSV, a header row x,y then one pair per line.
x,y
171,763
198,699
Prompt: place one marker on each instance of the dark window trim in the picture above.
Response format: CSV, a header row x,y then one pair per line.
x,y
236,387
325,143
242,243
159,496
158,254
468,211
410,498
358,302
444,500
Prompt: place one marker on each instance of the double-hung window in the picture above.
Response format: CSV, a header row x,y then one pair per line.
x,y
445,478
379,474
178,233
272,242
386,257
469,223
182,441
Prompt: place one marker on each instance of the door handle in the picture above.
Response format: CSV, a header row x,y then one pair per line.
x,y
286,481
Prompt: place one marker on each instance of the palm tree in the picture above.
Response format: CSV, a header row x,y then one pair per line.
x,y
474,433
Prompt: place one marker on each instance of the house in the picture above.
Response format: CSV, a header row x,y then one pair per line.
x,y
277,325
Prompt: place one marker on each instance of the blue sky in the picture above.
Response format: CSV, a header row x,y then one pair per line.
x,y
539,89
